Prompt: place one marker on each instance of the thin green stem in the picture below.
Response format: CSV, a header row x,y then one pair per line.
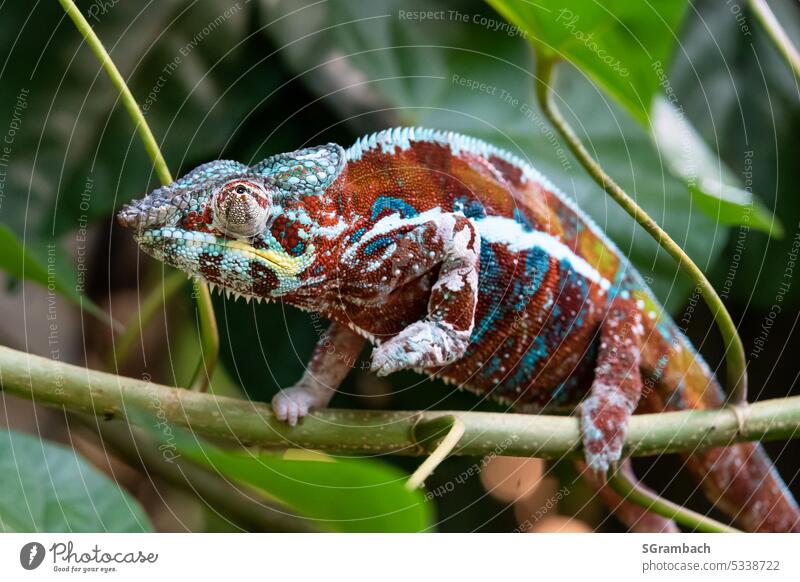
x,y
209,332
455,430
159,296
128,101
632,491
87,305
778,35
209,339
734,349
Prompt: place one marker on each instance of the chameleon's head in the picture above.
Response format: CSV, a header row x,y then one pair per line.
x,y
214,223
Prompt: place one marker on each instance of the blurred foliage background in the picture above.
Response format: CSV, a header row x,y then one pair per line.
x,y
246,79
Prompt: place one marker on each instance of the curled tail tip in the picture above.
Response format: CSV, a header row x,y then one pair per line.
x,y
742,481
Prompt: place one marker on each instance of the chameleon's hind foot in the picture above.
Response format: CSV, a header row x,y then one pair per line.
x,y
292,404
602,436
616,388
423,344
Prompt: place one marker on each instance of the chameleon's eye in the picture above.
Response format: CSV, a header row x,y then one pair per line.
x,y
240,209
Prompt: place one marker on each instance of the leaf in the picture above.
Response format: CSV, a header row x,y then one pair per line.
x,y
620,44
50,488
343,494
588,33
712,184
739,93
20,262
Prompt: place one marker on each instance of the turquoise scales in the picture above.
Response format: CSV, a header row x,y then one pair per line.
x,y
456,259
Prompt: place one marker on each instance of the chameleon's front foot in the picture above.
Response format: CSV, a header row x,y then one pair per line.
x,y
332,359
424,344
292,404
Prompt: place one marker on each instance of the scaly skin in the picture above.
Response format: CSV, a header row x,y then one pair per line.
x,y
459,260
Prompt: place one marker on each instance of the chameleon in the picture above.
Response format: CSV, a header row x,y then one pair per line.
x,y
457,259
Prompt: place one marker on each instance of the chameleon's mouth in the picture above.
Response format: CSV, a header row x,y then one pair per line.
x,y
234,265
279,260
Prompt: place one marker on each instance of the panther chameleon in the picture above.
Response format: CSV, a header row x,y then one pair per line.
x,y
459,260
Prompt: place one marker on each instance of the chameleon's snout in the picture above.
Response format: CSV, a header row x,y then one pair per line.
x,y
129,217
139,219
151,212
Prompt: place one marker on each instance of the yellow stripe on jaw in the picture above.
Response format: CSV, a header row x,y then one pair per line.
x,y
284,263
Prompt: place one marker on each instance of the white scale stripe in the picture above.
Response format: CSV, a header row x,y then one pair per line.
x,y
509,232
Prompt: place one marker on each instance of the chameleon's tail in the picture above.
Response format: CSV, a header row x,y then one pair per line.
x,y
739,479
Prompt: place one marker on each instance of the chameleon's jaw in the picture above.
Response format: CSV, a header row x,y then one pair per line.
x,y
234,265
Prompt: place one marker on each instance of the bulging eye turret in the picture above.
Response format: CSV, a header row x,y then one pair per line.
x,y
241,209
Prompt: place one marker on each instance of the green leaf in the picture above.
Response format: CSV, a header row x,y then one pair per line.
x,y
713,186
621,45
585,32
342,494
754,127
50,488
18,262
21,262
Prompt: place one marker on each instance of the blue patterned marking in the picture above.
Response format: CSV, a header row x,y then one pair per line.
x,y
571,280
527,283
394,204
358,234
527,363
377,244
488,277
523,220
469,208
537,263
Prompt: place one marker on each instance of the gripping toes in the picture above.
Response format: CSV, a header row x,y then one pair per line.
x,y
424,344
603,426
292,404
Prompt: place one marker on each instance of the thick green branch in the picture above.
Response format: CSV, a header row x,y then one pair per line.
x,y
348,431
